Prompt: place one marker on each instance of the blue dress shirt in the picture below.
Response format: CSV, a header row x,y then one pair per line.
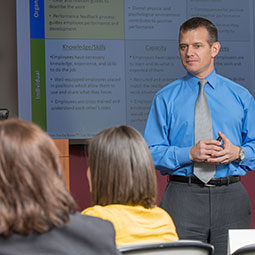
x,y
169,130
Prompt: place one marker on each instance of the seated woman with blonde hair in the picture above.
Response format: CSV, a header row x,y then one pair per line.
x,y
37,213
123,183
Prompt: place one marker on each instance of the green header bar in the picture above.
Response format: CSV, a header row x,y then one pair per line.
x,y
38,87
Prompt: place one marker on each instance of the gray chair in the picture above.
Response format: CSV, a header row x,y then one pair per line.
x,y
181,247
245,250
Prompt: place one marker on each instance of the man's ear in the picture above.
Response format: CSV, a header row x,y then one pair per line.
x,y
215,49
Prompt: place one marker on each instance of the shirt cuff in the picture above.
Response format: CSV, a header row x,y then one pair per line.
x,y
182,155
247,154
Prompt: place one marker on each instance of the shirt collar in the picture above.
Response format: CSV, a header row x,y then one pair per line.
x,y
211,79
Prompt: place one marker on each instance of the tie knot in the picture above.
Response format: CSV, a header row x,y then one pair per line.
x,y
202,82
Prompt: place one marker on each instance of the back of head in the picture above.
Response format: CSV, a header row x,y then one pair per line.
x,y
33,196
122,170
196,22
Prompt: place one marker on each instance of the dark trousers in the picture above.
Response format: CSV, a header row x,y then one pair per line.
x,y
207,213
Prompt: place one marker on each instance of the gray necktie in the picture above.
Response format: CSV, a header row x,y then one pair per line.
x,y
203,131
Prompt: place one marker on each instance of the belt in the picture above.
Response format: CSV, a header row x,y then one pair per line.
x,y
212,182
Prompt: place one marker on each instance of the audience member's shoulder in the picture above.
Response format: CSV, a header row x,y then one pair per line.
x,y
161,212
80,220
82,235
91,229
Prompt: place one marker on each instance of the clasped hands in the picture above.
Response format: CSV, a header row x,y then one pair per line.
x,y
212,152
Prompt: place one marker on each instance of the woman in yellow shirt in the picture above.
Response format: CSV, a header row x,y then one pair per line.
x,y
123,184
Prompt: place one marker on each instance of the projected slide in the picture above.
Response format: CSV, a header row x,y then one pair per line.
x,y
85,65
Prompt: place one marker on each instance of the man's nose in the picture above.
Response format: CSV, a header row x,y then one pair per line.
x,y
189,51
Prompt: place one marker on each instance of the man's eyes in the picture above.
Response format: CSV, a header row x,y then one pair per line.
x,y
182,46
198,46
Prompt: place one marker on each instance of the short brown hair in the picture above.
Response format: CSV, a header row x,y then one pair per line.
x,y
122,170
197,22
33,195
